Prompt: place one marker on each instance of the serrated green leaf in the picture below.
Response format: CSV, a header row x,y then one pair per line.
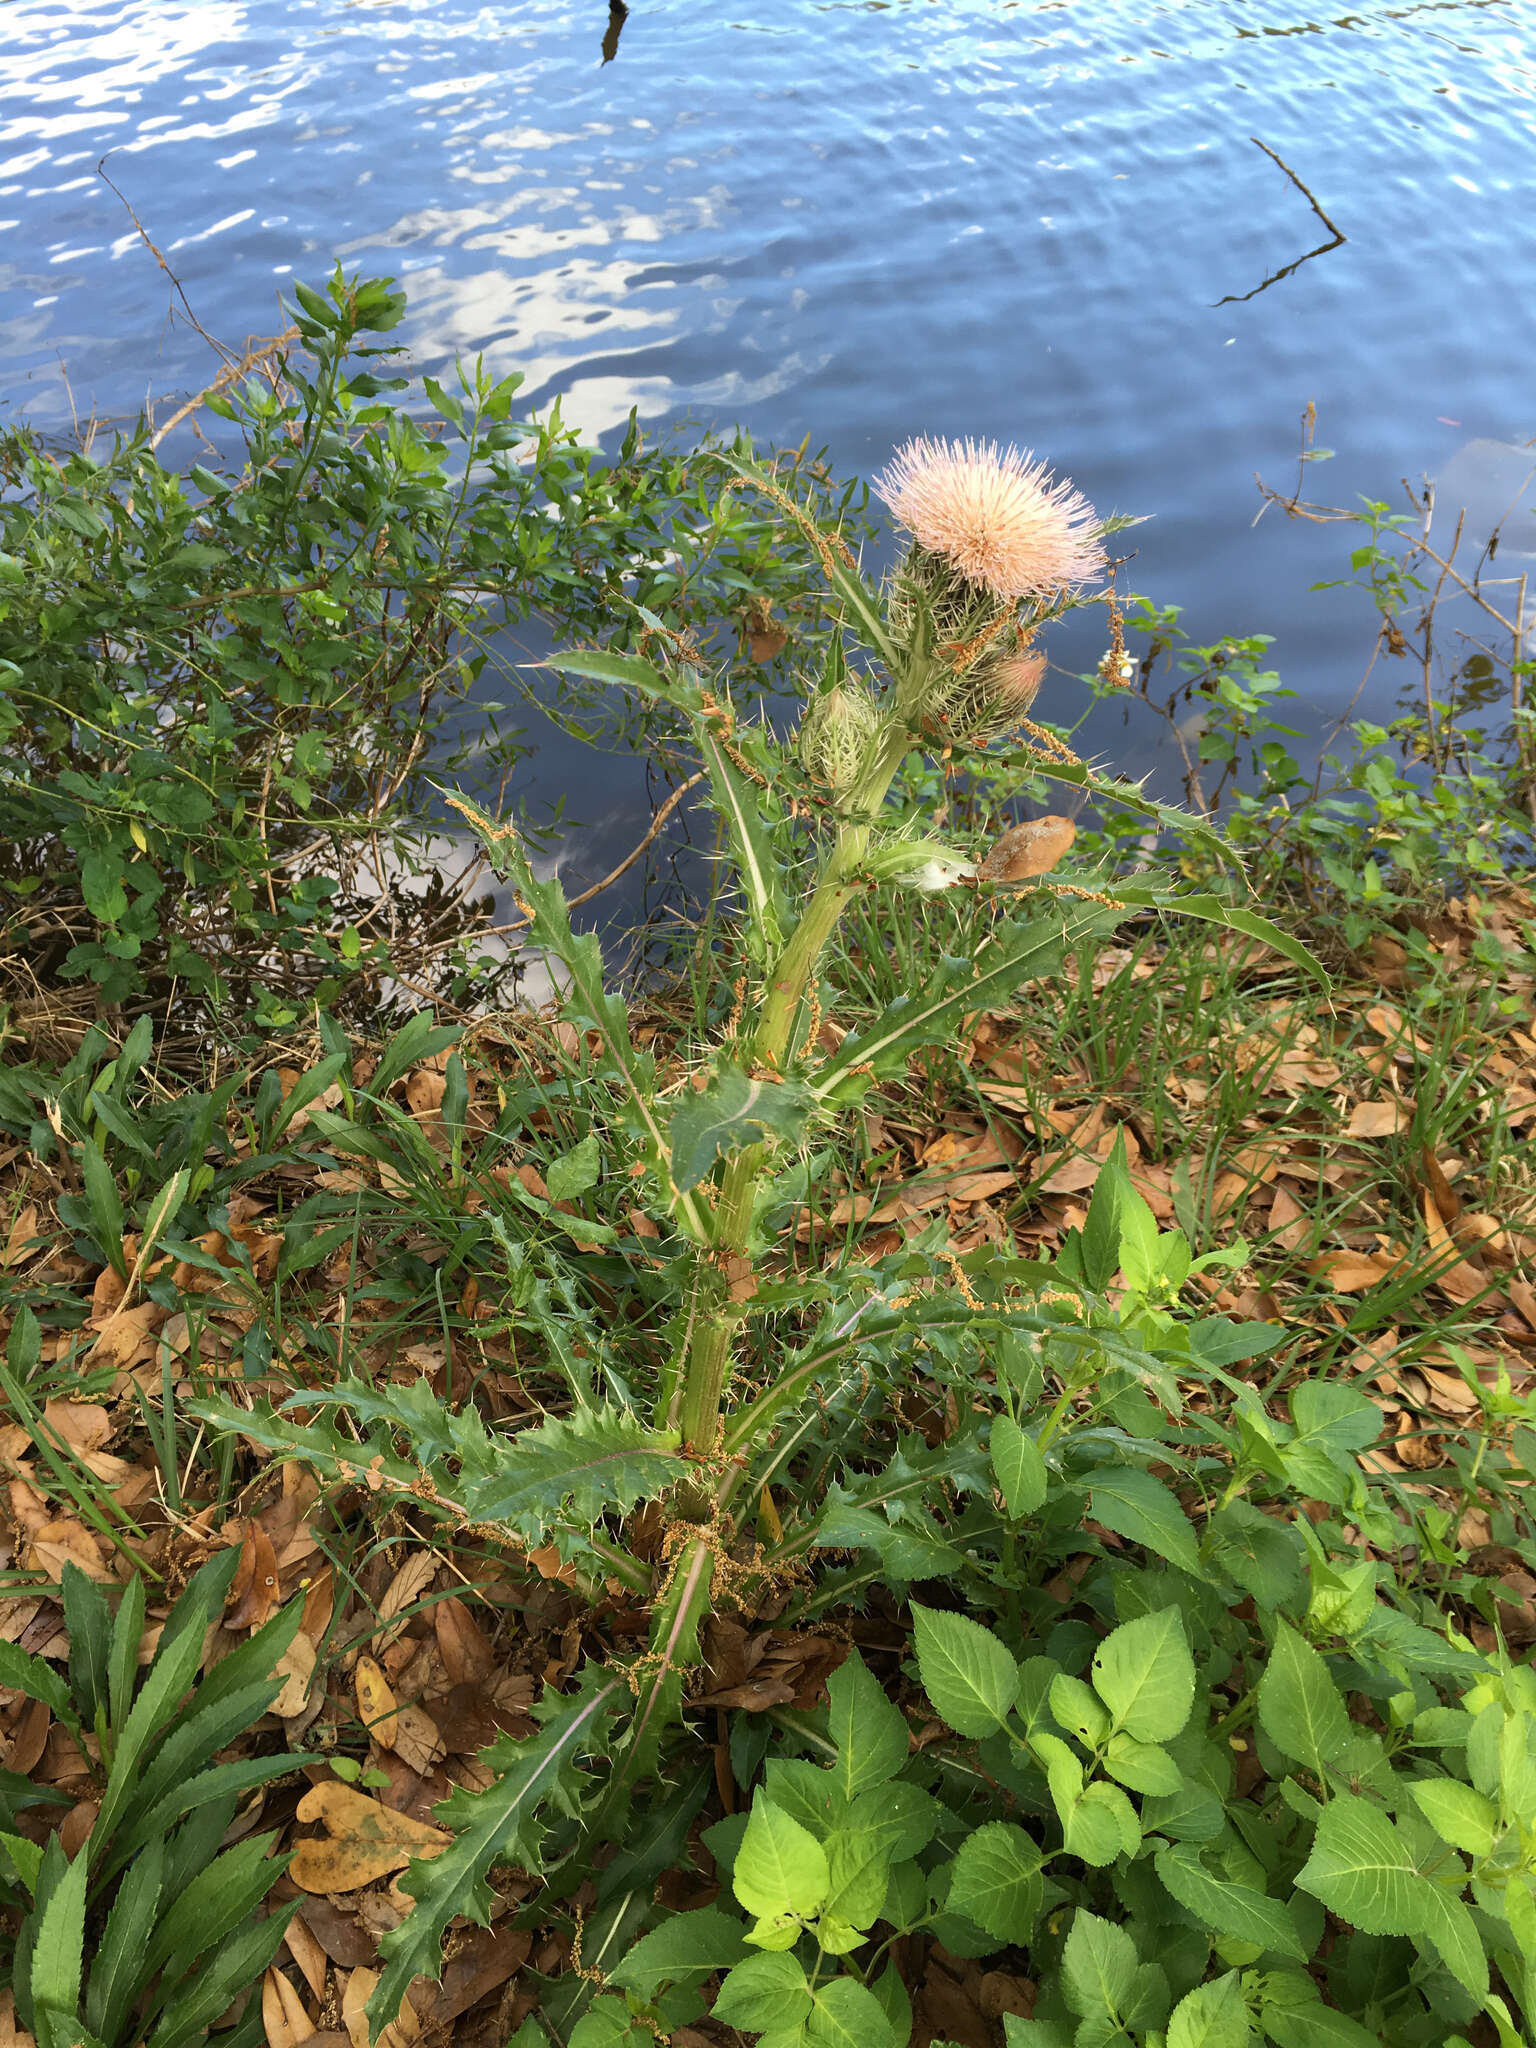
x,y
1363,1870
1234,1910
1077,1708
1019,1467
846,2015
574,1171
870,1733
781,1867
503,1821
1144,1674
37,1680
764,1992
1300,1709
1141,1508
966,1673
1144,1766
997,1881
683,1950
24,1857
1098,1966
1211,2016
732,1112
1262,1556
1457,1814
1452,1934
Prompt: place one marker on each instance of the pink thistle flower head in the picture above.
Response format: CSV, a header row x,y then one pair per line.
x,y
997,516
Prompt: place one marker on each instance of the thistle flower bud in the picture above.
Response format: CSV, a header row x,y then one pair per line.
x,y
987,700
835,733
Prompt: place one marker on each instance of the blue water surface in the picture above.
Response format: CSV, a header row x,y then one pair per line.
x,y
1042,222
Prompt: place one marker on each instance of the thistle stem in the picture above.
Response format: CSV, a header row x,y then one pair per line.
x,y
708,1358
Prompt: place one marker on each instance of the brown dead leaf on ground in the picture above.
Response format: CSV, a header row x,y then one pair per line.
x,y
401,2032
465,1649
410,1581
1379,1119
1353,1272
308,1954
23,1238
284,2020
253,1593
364,1840
296,1667
12,2034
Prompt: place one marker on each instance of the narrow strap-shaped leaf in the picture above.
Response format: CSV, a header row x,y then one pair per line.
x,y
632,671
1211,909
1021,951
218,1898
208,1787
123,1653
239,1962
58,1947
120,1966
170,1678
750,841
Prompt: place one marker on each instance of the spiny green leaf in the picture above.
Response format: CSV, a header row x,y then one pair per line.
x,y
732,1111
502,1821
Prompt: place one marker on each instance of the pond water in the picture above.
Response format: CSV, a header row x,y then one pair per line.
x,y
848,219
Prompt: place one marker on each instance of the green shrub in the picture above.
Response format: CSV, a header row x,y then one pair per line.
x,y
222,694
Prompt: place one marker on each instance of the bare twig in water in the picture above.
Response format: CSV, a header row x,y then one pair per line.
x,y
218,347
1338,234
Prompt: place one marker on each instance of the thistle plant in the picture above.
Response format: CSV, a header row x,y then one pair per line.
x,y
943,660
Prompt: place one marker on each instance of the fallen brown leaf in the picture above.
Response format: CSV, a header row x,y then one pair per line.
x,y
308,1954
401,2031
253,1593
22,1237
1383,1119
297,1667
365,1840
466,1652
283,2018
